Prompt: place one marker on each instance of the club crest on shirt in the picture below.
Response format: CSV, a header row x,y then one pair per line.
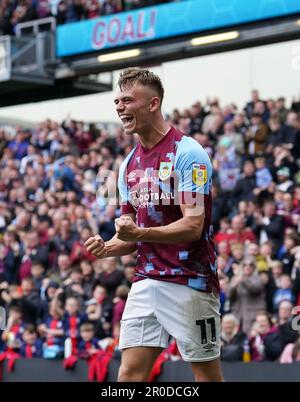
x,y
131,177
165,170
199,174
134,198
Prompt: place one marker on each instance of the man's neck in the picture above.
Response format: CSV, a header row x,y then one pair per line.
x,y
155,134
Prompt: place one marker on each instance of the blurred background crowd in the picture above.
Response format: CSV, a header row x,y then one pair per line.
x,y
54,182
13,12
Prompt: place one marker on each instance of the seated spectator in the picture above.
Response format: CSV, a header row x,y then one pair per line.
x,y
285,334
196,115
271,280
269,226
110,277
64,269
266,252
283,179
246,294
66,237
31,346
226,163
253,251
33,252
88,278
11,257
262,174
79,253
220,209
99,310
51,329
238,233
232,340
288,210
286,251
222,234
37,274
239,122
88,344
29,301
119,306
73,286
284,292
19,145
256,135
235,137
72,321
261,328
13,333
237,256
275,135
129,273
291,352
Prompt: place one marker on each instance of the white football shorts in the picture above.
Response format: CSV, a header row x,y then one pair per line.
x,y
156,310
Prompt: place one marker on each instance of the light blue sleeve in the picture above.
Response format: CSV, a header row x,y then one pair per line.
x,y
193,167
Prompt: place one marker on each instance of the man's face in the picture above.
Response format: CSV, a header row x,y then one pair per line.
x,y
249,169
33,240
285,310
269,209
237,223
134,105
228,327
26,287
263,323
63,262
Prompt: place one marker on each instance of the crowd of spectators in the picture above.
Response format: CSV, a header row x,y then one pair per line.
x,y
54,182
13,12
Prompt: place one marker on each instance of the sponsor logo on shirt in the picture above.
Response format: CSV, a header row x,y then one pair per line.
x,y
199,174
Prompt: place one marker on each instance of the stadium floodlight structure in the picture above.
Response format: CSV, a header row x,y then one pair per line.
x,y
28,67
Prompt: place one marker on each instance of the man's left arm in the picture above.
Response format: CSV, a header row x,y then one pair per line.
x,y
186,229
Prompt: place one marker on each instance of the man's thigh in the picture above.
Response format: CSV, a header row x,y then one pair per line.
x,y
139,325
192,318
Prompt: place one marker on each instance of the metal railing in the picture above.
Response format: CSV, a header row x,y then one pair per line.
x,y
5,52
36,26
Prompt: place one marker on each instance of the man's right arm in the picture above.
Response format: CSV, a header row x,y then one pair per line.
x,y
112,248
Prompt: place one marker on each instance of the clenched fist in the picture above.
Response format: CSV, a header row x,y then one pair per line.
x,y
96,246
127,230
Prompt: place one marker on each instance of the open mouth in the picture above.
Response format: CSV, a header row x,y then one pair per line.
x,y
126,119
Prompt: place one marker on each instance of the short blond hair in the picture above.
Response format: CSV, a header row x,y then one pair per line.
x,y
142,76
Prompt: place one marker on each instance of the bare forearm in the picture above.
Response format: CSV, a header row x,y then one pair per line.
x,y
116,247
184,230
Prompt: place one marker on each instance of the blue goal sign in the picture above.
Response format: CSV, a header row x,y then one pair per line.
x,y
165,21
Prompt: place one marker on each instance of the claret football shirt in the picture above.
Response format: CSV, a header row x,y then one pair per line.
x,y
152,184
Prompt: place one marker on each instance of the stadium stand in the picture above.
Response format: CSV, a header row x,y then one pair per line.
x,y
54,182
13,12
